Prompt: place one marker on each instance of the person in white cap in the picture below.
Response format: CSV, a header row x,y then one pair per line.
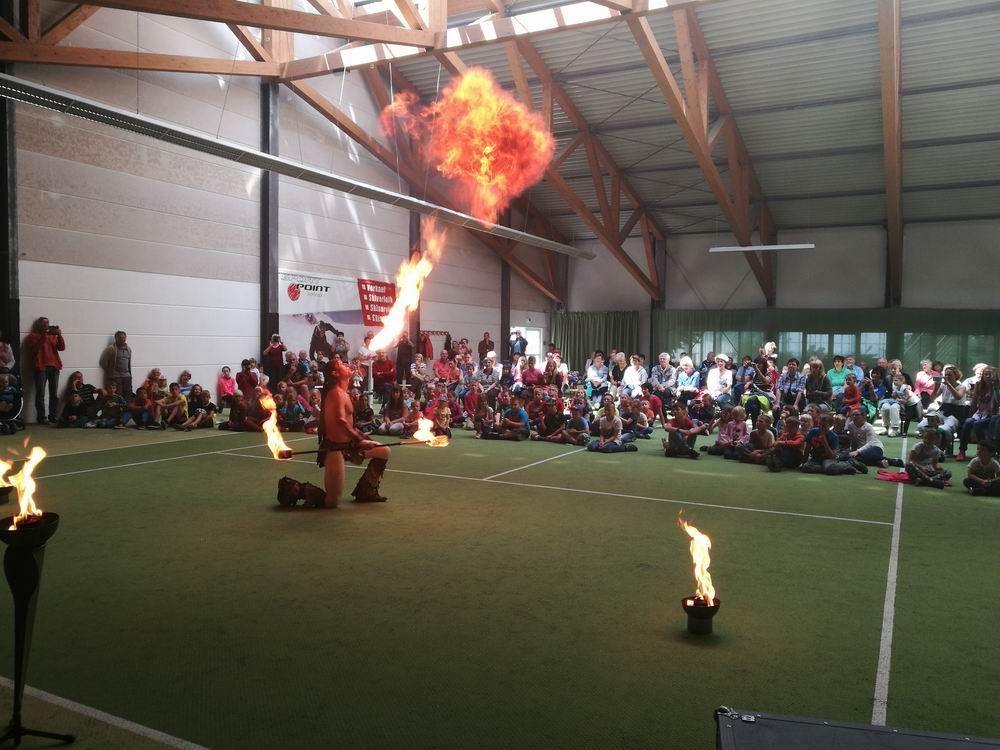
x,y
720,380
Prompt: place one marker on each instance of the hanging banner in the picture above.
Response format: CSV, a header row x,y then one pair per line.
x,y
376,300
315,308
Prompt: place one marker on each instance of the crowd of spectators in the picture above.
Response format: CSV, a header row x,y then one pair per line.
x,y
794,415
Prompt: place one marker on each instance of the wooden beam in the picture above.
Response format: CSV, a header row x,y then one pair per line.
x,y
608,230
68,24
690,124
889,32
250,43
437,12
281,44
494,6
47,54
342,8
624,6
717,129
520,79
410,15
630,224
495,29
32,20
9,32
567,150
282,19
650,250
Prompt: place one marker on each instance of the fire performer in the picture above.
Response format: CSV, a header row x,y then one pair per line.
x,y
339,438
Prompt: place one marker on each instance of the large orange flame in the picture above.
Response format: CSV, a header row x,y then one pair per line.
x,y
409,282
25,485
477,134
700,545
425,434
488,144
275,442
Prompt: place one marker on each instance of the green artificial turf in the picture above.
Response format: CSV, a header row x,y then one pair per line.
x,y
514,613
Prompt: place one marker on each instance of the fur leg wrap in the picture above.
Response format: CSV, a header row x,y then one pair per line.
x,y
366,490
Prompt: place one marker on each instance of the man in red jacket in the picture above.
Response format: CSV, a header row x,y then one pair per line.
x,y
44,344
383,374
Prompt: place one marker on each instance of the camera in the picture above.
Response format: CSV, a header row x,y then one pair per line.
x,y
276,338
53,330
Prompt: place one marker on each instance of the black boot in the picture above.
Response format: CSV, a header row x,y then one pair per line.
x,y
366,490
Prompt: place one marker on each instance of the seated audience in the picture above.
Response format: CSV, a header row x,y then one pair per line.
x,y
111,408
984,473
822,447
788,449
924,464
514,423
759,442
682,434
609,433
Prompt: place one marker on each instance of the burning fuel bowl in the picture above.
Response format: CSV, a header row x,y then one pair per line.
x,y
699,614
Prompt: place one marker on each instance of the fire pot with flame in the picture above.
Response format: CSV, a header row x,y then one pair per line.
x,y
704,605
25,536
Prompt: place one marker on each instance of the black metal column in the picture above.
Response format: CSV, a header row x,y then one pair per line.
x,y
268,215
10,302
503,339
415,250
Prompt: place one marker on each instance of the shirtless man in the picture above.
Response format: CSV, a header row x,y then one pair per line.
x,y
339,435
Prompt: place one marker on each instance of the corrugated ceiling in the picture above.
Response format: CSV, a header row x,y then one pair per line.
x,y
803,79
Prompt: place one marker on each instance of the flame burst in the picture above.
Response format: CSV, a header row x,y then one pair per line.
x,y
488,144
25,485
409,283
274,440
425,434
700,545
477,134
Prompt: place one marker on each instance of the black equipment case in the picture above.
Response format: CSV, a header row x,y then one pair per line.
x,y
749,730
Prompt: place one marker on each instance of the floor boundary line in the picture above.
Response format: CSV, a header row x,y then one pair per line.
x,y
162,460
217,433
880,700
536,463
599,492
110,719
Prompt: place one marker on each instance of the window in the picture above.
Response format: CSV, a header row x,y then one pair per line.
x,y
534,337
843,344
789,345
872,347
818,345
980,349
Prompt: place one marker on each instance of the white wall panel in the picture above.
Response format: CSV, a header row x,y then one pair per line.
x,y
853,256
952,265
173,322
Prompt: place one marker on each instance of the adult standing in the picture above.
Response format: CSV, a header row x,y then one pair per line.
x,y
116,361
425,346
517,344
44,344
404,357
6,354
486,346
273,360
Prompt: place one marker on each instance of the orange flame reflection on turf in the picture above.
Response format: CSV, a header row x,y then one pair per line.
x,y
425,434
409,281
700,546
25,485
274,441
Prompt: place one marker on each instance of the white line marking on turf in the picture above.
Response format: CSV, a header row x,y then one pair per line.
x,y
536,463
110,719
219,433
880,702
161,460
595,492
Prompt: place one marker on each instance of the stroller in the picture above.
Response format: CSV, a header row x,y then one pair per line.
x,y
11,404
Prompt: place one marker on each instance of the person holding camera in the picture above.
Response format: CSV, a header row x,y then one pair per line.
x,y
44,344
273,359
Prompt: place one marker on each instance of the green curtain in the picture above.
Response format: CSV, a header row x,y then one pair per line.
x,y
577,334
962,337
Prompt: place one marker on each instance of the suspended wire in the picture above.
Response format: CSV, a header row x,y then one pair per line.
x,y
229,84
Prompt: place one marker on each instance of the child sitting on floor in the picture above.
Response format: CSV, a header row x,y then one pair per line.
x,y
984,473
759,442
74,414
787,450
924,466
551,423
237,414
821,449
112,406
139,410
442,418
576,430
8,395
173,407
364,416
850,398
202,413
609,432
682,434
732,433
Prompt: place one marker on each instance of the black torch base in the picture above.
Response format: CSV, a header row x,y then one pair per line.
x,y
699,614
22,565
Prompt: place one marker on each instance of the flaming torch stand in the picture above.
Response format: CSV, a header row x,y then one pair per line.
x,y
699,614
22,564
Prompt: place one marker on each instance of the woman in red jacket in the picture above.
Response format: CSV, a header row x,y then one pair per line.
x,y
44,344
